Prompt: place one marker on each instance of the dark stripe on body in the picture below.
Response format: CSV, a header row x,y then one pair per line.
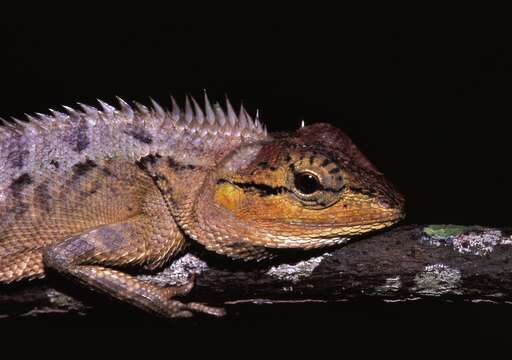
x,y
20,182
262,189
83,168
17,186
147,161
173,164
42,196
80,140
17,158
140,134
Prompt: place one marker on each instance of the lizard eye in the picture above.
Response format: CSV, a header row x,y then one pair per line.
x,y
315,181
307,183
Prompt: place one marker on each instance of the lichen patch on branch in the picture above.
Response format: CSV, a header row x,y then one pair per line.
x,y
465,240
437,279
296,272
179,272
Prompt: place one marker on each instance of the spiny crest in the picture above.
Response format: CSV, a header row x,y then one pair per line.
x,y
209,118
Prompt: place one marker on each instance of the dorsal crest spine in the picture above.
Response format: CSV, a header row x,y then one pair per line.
x,y
194,116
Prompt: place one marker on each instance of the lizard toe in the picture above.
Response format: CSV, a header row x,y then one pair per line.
x,y
179,290
205,309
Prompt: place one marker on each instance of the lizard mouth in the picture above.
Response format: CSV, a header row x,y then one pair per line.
x,y
356,218
360,225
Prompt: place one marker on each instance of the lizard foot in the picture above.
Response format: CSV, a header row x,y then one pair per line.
x,y
177,309
187,309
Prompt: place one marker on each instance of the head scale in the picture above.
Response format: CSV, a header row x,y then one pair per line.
x,y
308,190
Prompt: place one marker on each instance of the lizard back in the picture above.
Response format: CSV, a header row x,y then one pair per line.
x,y
62,140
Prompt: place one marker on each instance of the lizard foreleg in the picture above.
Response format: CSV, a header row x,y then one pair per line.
x,y
84,257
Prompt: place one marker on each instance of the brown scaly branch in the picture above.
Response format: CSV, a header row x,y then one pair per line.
x,y
410,262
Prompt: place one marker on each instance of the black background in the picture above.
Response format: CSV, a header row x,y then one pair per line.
x,y
429,102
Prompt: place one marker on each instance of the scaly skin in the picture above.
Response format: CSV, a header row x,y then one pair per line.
x,y
87,193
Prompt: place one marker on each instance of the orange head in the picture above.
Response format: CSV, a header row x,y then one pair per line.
x,y
311,189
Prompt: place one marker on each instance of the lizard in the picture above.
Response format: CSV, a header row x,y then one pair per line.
x,y
88,191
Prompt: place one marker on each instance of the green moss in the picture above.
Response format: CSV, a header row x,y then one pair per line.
x,y
444,231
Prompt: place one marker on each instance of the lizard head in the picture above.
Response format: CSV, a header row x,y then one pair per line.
x,y
308,190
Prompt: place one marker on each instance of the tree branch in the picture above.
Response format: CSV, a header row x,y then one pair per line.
x,y
411,262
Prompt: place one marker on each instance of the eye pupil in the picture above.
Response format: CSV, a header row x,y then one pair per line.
x,y
307,183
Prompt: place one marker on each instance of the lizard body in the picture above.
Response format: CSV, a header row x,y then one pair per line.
x,y
88,192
